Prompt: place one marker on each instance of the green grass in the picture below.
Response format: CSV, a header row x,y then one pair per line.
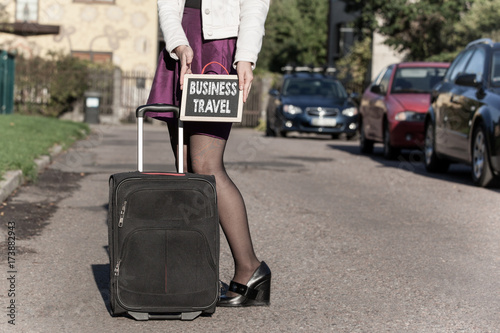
x,y
24,138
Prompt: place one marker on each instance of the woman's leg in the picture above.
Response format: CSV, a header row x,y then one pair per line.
x,y
206,157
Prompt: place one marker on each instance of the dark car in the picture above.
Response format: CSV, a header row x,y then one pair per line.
x,y
463,123
311,103
393,107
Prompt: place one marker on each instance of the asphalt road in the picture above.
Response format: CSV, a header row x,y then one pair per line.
x,y
355,243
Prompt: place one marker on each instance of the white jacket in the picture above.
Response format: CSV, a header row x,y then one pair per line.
x,y
221,19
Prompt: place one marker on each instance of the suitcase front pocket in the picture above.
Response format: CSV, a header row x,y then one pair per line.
x,y
166,268
181,204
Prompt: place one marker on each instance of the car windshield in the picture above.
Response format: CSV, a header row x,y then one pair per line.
x,y
314,87
416,79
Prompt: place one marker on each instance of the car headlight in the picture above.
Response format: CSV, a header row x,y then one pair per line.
x,y
291,109
410,116
349,112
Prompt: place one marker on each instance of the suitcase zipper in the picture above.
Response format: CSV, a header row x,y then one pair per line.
x,y
122,214
117,268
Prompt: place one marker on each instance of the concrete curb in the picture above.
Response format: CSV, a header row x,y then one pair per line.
x,y
12,180
15,178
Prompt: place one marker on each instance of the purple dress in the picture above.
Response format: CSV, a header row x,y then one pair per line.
x,y
166,87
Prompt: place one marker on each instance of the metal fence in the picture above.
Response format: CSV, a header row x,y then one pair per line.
x,y
134,90
252,107
122,92
102,81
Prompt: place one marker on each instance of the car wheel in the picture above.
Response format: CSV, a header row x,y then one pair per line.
x,y
390,152
365,145
282,134
481,168
432,162
269,130
349,137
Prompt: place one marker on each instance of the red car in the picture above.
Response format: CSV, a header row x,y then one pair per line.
x,y
393,107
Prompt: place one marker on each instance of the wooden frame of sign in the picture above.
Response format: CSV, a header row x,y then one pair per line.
x,y
207,97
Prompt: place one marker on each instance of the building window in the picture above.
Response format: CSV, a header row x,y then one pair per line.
x,y
98,57
95,1
27,10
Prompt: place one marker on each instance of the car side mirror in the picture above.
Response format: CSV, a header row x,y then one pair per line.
x,y
376,89
434,95
274,92
467,80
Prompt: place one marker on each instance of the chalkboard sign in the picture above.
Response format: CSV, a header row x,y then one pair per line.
x,y
211,98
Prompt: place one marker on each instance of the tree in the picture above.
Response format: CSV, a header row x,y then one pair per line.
x,y
353,67
296,32
421,28
368,11
481,21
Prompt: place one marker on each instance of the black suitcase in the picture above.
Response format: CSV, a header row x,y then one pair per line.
x,y
163,239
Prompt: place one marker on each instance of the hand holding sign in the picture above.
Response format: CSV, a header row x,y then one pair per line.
x,y
245,77
185,55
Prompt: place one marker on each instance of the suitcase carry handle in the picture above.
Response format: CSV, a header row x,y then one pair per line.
x,y
173,112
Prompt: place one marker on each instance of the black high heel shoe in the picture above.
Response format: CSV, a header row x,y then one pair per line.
x,y
257,292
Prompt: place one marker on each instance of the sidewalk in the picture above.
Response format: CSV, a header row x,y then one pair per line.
x,y
62,273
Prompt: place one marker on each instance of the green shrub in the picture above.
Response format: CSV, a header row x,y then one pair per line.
x,y
50,86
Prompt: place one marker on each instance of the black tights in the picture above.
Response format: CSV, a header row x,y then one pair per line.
x,y
204,155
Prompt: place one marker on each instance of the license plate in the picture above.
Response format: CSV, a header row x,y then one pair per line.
x,y
324,122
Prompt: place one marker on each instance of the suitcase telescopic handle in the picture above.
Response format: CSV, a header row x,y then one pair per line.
x,y
170,111
160,108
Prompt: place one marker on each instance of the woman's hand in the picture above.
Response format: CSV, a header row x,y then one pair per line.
x,y
245,77
185,54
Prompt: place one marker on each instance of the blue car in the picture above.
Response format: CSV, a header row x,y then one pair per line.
x,y
311,103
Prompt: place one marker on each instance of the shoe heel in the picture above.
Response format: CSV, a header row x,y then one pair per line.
x,y
257,292
264,293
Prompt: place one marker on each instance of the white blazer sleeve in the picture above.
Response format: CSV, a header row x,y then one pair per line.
x,y
170,17
253,15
